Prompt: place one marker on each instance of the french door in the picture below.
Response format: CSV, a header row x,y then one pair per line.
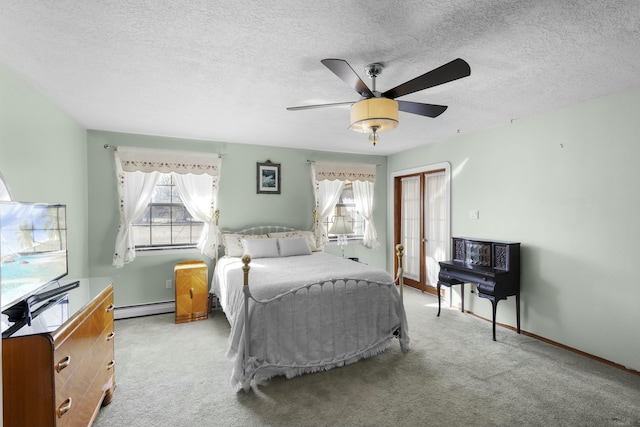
x,y
421,224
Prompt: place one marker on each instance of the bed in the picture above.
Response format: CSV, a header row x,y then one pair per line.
x,y
294,309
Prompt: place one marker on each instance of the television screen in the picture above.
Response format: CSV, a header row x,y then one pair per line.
x,y
33,248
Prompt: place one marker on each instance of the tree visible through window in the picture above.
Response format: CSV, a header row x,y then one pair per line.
x,y
166,223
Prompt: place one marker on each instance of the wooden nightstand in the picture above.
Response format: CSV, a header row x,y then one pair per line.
x,y
192,295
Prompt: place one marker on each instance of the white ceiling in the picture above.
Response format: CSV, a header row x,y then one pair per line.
x,y
226,70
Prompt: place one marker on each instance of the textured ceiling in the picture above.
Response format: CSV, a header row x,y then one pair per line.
x,y
226,71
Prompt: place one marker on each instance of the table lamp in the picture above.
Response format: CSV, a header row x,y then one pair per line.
x,y
341,227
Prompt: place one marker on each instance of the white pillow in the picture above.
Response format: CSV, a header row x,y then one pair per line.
x,y
233,243
261,248
294,246
311,239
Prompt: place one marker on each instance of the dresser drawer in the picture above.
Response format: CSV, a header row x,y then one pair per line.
x,y
77,401
68,408
104,343
70,352
104,311
99,389
76,397
107,308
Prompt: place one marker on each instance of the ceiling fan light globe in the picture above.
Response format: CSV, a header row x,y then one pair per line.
x,y
378,113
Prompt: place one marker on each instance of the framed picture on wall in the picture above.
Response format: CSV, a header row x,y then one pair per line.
x,y
268,178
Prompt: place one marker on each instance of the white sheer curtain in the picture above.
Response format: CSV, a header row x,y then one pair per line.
x,y
326,194
138,170
135,190
436,220
410,226
199,193
363,197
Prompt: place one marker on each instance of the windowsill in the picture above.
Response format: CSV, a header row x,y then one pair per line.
x,y
168,251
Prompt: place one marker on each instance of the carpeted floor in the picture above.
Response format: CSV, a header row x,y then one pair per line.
x,y
454,375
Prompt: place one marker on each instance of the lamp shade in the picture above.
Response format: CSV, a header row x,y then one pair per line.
x,y
340,226
374,114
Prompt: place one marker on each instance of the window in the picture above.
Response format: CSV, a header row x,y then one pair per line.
x,y
151,183
166,223
346,208
344,195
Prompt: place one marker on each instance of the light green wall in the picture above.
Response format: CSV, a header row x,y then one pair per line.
x,y
43,156
565,184
144,279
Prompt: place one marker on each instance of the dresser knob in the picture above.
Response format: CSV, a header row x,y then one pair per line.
x,y
110,308
63,364
64,407
111,336
111,364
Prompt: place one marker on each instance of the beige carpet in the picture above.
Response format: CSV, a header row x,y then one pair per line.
x,y
454,375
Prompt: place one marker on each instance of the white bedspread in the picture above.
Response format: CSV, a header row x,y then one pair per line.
x,y
317,328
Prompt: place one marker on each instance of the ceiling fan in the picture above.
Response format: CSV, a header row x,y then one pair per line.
x,y
377,111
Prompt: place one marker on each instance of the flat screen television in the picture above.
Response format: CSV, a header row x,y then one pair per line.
x,y
33,248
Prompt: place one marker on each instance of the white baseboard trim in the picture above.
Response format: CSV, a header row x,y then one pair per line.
x,y
139,310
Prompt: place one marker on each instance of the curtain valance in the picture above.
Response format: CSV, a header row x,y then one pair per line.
x,y
344,171
135,159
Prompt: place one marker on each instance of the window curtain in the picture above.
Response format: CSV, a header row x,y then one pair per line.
x,y
363,198
436,224
328,179
138,171
135,190
410,226
199,194
327,193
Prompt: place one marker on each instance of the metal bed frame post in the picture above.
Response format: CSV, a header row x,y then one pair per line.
x,y
400,254
246,259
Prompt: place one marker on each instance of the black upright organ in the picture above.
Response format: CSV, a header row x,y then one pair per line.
x,y
493,266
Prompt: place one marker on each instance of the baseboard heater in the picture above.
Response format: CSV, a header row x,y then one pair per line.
x,y
139,310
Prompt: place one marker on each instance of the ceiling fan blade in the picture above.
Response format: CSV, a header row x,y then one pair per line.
x,y
453,70
342,69
428,110
309,107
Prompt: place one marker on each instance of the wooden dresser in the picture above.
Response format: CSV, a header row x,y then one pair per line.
x,y
192,294
60,370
